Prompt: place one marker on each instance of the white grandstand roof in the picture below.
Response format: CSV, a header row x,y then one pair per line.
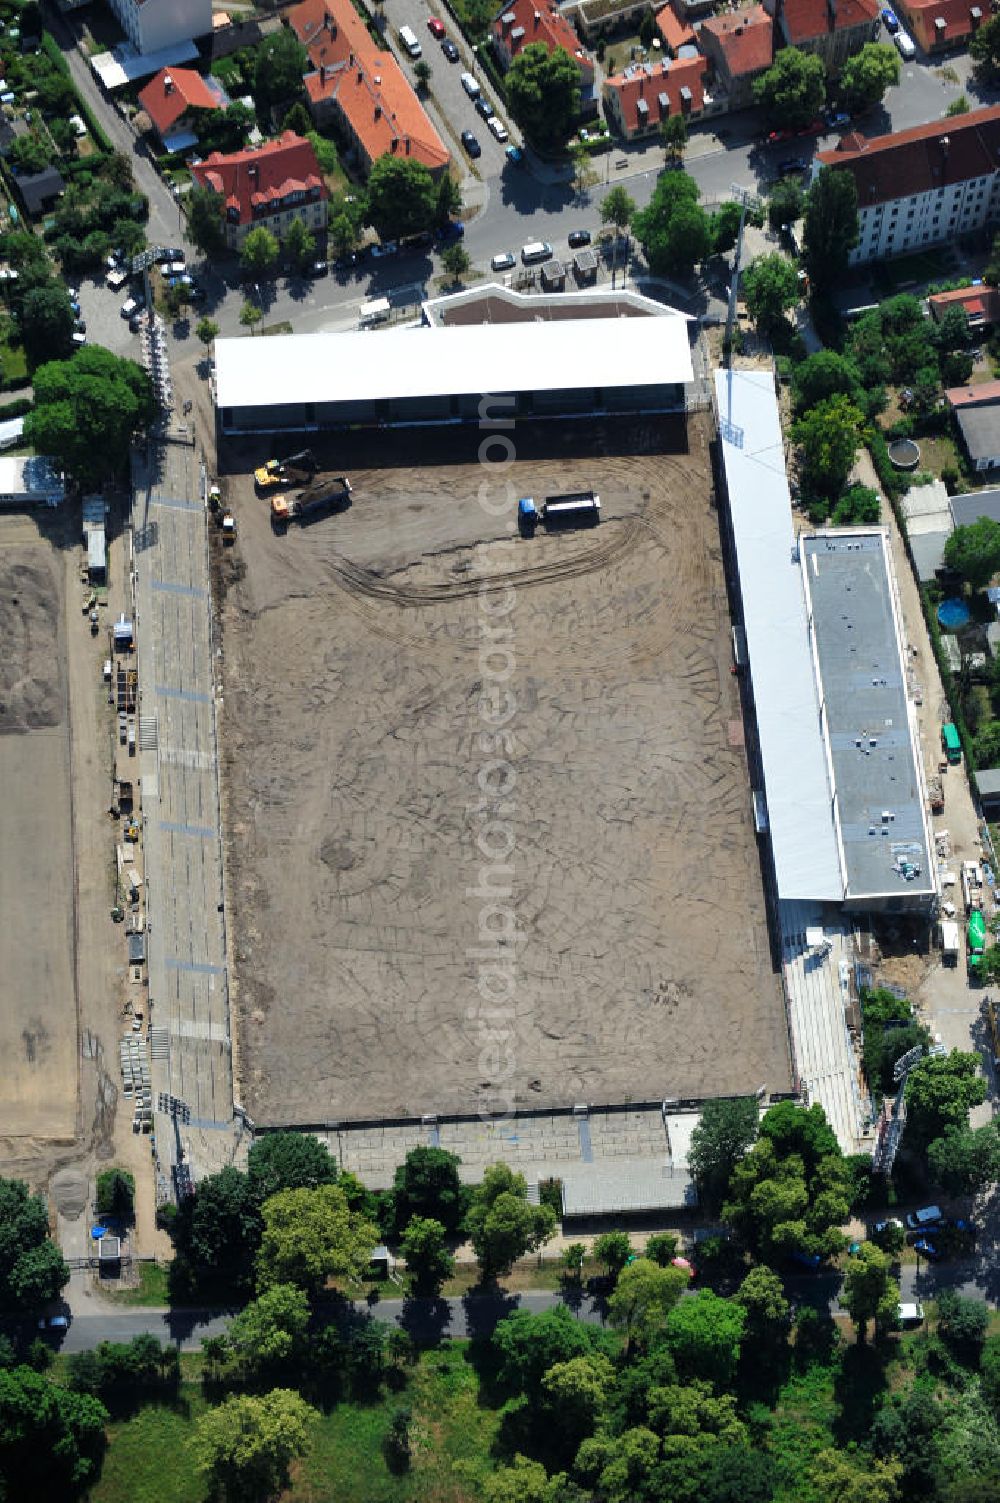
x,y
375,365
786,707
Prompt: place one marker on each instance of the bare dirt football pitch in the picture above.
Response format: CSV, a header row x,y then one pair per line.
x,y
352,726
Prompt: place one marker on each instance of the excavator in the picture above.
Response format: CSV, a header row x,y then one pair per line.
x,y
297,469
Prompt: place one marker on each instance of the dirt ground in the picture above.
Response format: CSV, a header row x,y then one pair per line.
x,y
354,764
38,1030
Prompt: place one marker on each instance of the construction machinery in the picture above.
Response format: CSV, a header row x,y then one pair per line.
x,y
297,469
329,493
976,940
228,525
571,509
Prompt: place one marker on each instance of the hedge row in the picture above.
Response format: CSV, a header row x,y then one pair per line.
x,y
53,52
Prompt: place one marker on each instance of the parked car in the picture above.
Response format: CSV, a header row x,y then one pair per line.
x,y
450,50
388,248
453,230
197,294
929,1249
577,238
54,1323
515,156
883,1226
435,27
80,326
131,307
172,253
319,269
890,20
471,144
925,1217
73,293
503,261
837,119
116,279
497,128
483,107
470,85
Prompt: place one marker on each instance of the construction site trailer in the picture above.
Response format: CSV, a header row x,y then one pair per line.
x,y
378,311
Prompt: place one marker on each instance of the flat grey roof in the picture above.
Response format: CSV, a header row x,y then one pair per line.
x,y
972,505
928,553
625,1186
980,430
988,780
879,796
786,704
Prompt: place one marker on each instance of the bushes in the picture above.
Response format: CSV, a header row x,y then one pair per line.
x,y
50,48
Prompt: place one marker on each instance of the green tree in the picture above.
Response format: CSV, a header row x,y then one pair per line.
x,y
623,1466
907,1429
785,203
116,1193
793,90
959,106
661,1247
617,208
643,1297
300,244
984,49
792,1192
990,1373
216,1234
31,153
260,251
526,1345
962,1325
725,227
246,1444
768,1314
449,199
250,316
573,1257
838,1477
206,331
402,197
46,324
965,1160
51,1440
456,261
280,63
32,1270
830,230
827,437
704,1335
543,92
674,137
725,1130
311,1236
866,76
940,1093
426,1253
289,1161
205,225
825,374
524,1481
270,1331
422,73
298,119
88,410
502,1226
892,1238
770,287
574,1396
673,230
613,1249
859,506
427,1184
974,552
869,1291
325,150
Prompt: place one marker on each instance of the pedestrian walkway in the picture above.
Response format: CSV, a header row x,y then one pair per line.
x,y
188,982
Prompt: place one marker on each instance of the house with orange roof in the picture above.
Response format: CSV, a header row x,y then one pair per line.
x,y
832,29
938,25
981,305
355,84
270,185
175,100
741,47
674,31
643,95
523,22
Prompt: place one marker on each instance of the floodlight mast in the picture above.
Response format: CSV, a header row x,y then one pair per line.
x,y
746,200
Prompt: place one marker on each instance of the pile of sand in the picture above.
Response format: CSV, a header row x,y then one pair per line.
x,y
31,694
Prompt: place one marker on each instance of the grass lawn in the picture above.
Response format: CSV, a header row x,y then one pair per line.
x,y
13,364
149,1460
618,53
938,453
150,1290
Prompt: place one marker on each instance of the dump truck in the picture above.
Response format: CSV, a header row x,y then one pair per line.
x,y
972,885
976,939
228,525
935,795
950,743
331,493
571,509
297,469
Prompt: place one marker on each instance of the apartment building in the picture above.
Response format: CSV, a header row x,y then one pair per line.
x,y
354,82
154,25
524,22
831,29
940,25
639,99
741,46
269,185
177,101
924,186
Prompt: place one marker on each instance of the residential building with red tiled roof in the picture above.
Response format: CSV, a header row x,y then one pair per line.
x,y
675,31
922,186
741,46
354,82
269,185
981,305
525,21
938,25
639,99
832,29
973,396
175,99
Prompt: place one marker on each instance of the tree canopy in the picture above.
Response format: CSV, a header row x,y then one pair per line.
x,y
260,251
673,229
247,1443
984,49
543,92
205,224
973,552
964,1160
643,1298
402,198
703,1337
526,1345
792,1192
793,90
830,229
216,1234
46,324
502,1225
281,62
311,1236
869,1292
425,1249
427,1184
32,1270
289,1161
88,410
866,76
770,287
724,1131
940,1092
828,437
51,1439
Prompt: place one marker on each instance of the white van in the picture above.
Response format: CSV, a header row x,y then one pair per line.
x,y
378,311
905,45
409,40
470,86
496,125
911,1314
536,250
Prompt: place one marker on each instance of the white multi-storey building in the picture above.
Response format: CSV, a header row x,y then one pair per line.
x,y
153,25
923,186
